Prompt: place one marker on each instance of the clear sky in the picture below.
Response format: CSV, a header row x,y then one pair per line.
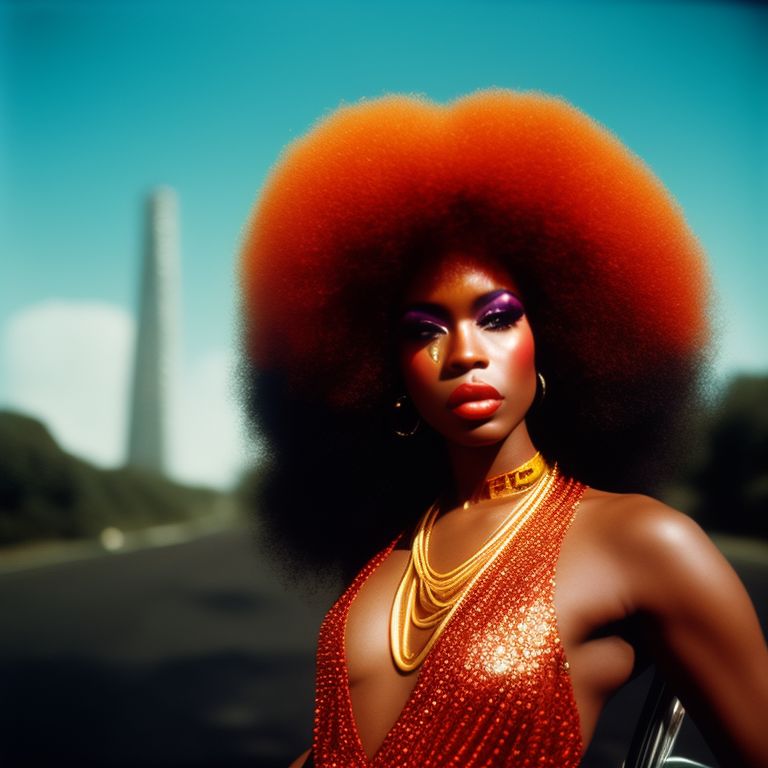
x,y
100,101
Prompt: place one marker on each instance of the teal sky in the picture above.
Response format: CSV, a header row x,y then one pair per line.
x,y
100,101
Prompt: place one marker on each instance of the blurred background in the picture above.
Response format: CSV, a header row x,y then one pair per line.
x,y
143,623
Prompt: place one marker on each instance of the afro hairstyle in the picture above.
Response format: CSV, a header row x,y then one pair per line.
x,y
614,282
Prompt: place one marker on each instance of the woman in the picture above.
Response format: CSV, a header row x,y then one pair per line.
x,y
461,321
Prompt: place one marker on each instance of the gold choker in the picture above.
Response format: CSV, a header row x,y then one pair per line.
x,y
517,480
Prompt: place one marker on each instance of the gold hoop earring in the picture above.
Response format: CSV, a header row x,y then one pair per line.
x,y
399,409
541,389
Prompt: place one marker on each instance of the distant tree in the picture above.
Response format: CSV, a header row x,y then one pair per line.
x,y
731,481
48,493
37,488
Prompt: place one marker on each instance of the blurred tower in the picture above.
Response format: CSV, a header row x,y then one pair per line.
x,y
156,335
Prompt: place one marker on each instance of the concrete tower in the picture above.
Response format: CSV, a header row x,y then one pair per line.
x,y
156,337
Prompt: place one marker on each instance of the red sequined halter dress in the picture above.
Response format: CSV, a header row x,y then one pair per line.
x,y
494,690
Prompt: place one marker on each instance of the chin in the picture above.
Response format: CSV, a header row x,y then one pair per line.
x,y
477,436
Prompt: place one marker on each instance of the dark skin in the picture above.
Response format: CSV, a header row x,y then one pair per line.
x,y
635,579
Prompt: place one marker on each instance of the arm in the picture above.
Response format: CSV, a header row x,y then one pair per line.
x,y
702,629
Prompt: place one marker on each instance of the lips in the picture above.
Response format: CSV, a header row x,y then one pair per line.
x,y
474,401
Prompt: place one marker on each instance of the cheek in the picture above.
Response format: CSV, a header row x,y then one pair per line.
x,y
421,376
418,369
522,355
517,359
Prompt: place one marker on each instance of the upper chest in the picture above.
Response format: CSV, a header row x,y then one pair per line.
x,y
515,598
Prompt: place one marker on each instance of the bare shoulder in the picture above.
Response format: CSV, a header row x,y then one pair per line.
x,y
699,623
634,523
664,554
635,504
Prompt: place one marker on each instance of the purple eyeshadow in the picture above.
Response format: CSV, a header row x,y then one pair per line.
x,y
419,324
503,301
418,316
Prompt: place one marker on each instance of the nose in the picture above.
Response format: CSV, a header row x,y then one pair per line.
x,y
465,349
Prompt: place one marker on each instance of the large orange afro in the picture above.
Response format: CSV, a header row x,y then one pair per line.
x,y
601,246
613,281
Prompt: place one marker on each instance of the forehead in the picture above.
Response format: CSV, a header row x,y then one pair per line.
x,y
458,274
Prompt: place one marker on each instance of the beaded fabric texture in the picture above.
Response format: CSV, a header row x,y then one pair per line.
x,y
494,690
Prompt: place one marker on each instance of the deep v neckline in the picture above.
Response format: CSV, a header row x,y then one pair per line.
x,y
479,692
421,672
354,589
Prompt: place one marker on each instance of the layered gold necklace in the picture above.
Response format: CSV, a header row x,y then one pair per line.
x,y
426,598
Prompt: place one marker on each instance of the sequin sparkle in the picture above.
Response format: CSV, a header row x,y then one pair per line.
x,y
495,688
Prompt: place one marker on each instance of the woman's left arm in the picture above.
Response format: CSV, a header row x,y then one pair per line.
x,y
703,630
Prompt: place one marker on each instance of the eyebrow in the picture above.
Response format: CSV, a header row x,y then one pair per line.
x,y
438,311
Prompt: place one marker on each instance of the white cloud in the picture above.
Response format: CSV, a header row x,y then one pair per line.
x,y
68,364
208,436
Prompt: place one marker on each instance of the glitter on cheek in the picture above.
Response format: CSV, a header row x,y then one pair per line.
x,y
421,375
434,349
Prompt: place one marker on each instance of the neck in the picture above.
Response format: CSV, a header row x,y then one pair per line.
x,y
472,465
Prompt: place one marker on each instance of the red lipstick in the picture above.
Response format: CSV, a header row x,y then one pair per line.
x,y
474,401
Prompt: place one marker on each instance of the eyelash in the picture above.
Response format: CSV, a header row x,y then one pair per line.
x,y
500,320
422,331
495,320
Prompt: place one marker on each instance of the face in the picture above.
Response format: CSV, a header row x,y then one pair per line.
x,y
467,351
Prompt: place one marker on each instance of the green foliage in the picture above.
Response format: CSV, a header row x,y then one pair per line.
x,y
48,493
731,478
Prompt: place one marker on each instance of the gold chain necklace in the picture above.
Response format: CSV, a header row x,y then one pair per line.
x,y
427,599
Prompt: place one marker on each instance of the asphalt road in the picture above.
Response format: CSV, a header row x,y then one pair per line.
x,y
187,655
